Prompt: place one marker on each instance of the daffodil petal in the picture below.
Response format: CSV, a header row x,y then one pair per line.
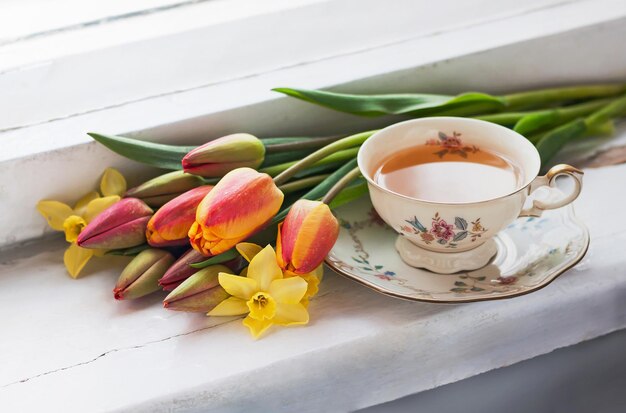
x,y
257,327
98,205
264,269
81,206
288,314
230,306
248,250
55,213
288,290
244,272
240,287
75,259
112,182
312,285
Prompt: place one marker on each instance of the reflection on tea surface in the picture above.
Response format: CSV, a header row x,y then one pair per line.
x,y
456,174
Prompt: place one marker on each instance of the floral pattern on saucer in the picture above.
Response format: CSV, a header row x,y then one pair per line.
x,y
444,233
532,252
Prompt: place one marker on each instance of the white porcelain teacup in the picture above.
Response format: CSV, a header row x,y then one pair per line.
x,y
448,234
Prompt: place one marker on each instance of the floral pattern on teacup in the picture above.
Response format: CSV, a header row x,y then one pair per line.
x,y
451,145
444,233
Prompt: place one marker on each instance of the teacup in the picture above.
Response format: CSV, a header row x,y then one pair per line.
x,y
453,236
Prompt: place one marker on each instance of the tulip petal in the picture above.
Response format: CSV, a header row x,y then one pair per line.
x,y
75,258
81,206
257,327
264,269
112,182
289,314
240,287
229,307
248,250
288,290
315,238
55,213
95,207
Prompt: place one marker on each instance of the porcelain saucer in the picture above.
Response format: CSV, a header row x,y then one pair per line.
x,y
532,252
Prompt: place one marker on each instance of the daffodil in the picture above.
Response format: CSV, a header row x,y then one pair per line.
x,y
62,217
262,292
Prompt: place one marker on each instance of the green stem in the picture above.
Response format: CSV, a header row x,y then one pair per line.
x,y
547,96
339,156
341,184
311,143
345,143
567,112
295,186
615,109
321,189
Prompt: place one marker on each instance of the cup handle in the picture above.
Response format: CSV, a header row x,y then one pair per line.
x,y
549,179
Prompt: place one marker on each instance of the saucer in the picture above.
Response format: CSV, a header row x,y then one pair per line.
x,y
531,253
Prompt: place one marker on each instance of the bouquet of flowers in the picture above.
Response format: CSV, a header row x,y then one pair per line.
x,y
198,230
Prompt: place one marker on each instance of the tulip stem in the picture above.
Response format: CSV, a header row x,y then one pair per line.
x,y
345,143
339,156
311,143
341,184
295,186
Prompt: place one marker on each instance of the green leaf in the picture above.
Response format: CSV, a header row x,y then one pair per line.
x,y
477,289
554,140
397,104
458,290
460,284
536,122
351,193
128,252
218,259
460,223
155,154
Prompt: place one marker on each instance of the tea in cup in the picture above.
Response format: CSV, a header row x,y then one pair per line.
x,y
448,185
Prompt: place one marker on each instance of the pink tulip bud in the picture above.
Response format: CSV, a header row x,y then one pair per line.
x,y
170,225
306,236
181,270
122,225
241,203
220,156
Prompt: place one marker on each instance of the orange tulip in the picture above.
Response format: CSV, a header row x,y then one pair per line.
x,y
306,236
241,203
170,224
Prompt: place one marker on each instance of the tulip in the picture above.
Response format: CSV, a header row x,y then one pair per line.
x,y
122,225
181,270
170,225
238,206
306,236
141,275
199,293
162,189
220,156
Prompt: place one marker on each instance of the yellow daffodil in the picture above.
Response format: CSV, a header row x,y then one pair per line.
x,y
263,293
61,217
